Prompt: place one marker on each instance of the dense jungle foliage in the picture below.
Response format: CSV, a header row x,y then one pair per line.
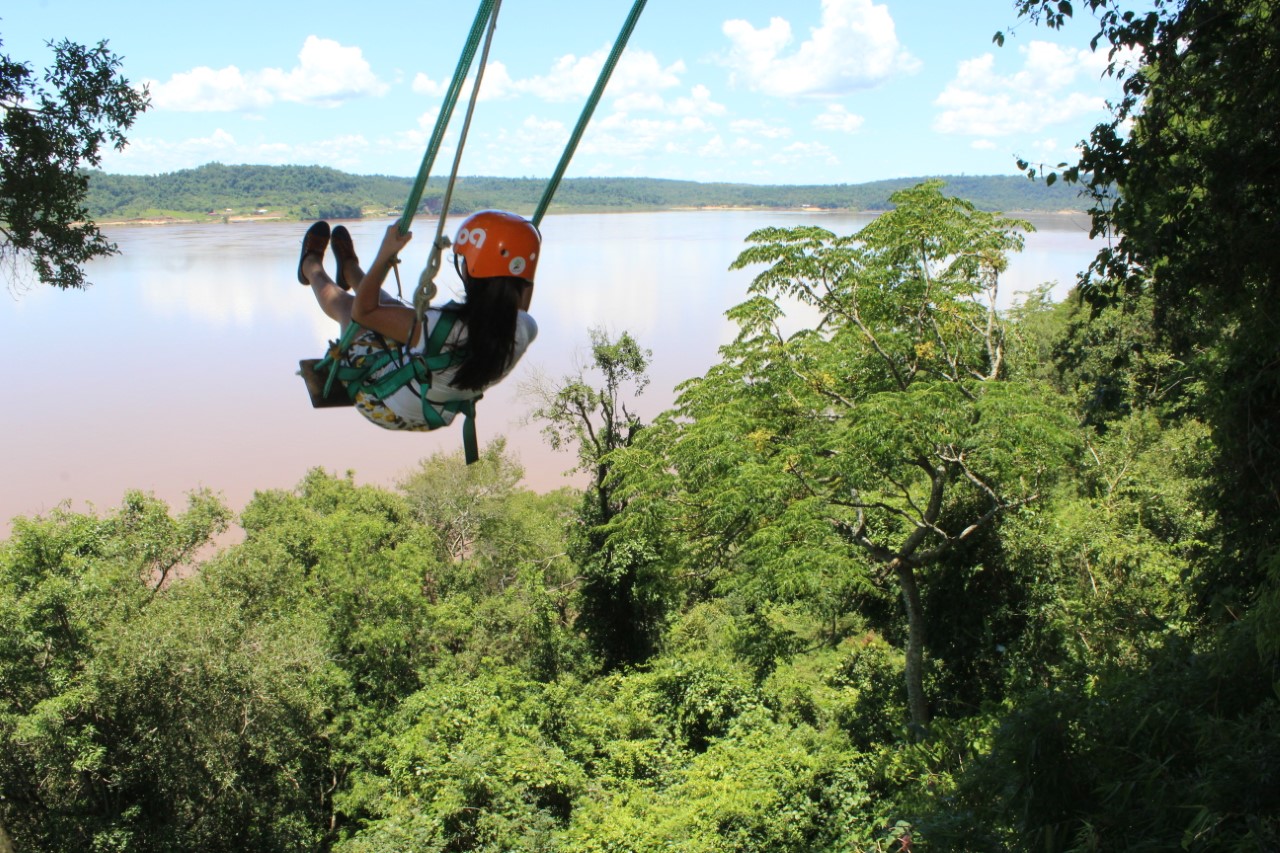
x,y
918,575
314,192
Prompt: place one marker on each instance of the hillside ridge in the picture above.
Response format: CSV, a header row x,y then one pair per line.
x,y
316,192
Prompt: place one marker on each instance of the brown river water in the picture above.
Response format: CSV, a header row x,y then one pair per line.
x,y
177,368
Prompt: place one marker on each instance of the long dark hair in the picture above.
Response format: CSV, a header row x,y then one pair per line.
x,y
490,317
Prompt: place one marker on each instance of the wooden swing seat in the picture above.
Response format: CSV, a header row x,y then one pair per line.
x,y
315,386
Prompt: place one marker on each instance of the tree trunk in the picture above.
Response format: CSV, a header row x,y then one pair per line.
x,y
916,703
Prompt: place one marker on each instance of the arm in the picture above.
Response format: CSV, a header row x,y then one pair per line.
x,y
392,321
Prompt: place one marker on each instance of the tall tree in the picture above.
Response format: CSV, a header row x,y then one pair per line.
x,y
1186,172
865,448
49,133
619,608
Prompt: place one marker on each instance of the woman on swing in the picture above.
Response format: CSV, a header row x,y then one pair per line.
x,y
495,254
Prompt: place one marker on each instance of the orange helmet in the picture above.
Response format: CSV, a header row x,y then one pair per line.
x,y
494,243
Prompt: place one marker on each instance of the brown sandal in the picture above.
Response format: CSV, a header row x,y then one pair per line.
x,y
344,250
314,242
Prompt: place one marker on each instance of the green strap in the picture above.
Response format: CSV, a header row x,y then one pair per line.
x,y
440,334
426,289
331,359
416,368
603,80
446,112
484,15
434,351
470,445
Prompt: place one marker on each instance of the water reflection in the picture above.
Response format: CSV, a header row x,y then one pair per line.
x,y
177,369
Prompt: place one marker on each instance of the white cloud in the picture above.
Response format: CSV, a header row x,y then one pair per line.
x,y
542,133
759,127
209,90
424,85
839,119
717,148
327,74
621,135
980,102
1046,146
635,87
640,71
154,156
347,153
855,47
417,137
535,144
572,77
714,147
806,152
163,156
697,103
497,84
638,102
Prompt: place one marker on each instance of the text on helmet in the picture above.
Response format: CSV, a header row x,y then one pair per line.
x,y
473,236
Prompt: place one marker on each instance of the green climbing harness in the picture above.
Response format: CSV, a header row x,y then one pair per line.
x,y
392,367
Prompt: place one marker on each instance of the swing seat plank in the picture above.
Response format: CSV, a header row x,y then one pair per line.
x,y
315,381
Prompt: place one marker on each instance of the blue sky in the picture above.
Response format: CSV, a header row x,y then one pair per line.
x,y
753,91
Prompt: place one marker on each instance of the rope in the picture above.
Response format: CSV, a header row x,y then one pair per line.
x,y
426,289
483,14
603,80
486,14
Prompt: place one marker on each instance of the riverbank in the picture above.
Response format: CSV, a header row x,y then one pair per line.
x,y
250,193
1053,218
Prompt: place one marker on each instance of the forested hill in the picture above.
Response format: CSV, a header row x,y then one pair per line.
x,y
307,192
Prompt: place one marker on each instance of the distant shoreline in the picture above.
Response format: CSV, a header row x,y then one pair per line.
x,y
161,221
218,193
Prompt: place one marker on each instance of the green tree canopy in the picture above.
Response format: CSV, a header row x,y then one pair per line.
x,y
865,447
1185,174
49,133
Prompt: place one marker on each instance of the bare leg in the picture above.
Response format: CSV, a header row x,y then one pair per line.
x,y
333,300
